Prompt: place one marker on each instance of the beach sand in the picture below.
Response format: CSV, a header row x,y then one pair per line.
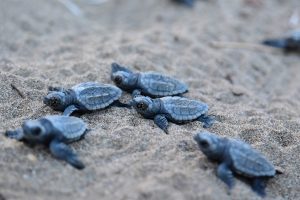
x,y
253,90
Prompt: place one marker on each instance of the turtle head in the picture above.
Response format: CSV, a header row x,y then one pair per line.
x,y
33,130
210,144
56,100
123,78
142,104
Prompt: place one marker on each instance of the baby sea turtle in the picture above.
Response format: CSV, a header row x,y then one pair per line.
x,y
148,83
237,157
289,43
175,109
55,131
87,96
189,3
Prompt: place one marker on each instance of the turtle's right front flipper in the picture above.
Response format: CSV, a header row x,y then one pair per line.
x,y
63,152
162,122
16,134
69,110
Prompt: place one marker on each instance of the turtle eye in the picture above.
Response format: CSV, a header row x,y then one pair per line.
x,y
204,144
118,80
36,131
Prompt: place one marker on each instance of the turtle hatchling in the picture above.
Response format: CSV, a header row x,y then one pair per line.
x,y
175,109
55,131
148,83
289,43
236,157
87,96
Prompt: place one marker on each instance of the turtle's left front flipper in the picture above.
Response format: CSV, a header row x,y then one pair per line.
x,y
289,44
118,103
207,120
278,43
63,152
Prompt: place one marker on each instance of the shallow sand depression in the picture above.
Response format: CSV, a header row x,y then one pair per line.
x,y
254,92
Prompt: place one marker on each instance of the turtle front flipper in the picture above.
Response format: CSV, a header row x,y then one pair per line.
x,y
226,175
16,134
63,152
207,120
55,89
115,67
69,110
278,43
162,122
258,185
136,93
117,103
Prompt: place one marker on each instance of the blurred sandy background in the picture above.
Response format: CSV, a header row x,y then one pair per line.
x,y
255,93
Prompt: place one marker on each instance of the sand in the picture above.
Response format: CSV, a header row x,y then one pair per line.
x,y
253,91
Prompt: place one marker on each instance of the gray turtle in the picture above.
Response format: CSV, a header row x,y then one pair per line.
x,y
178,110
237,157
149,83
55,131
87,96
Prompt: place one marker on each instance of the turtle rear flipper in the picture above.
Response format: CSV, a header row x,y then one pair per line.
x,y
63,152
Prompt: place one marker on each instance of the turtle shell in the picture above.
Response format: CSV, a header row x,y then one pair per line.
x,y
249,162
183,109
95,96
72,128
159,85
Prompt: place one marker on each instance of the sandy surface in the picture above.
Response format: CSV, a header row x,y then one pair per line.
x,y
255,92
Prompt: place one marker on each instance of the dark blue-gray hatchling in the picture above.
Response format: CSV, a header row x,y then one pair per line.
x,y
84,97
146,83
55,131
236,157
178,110
289,43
